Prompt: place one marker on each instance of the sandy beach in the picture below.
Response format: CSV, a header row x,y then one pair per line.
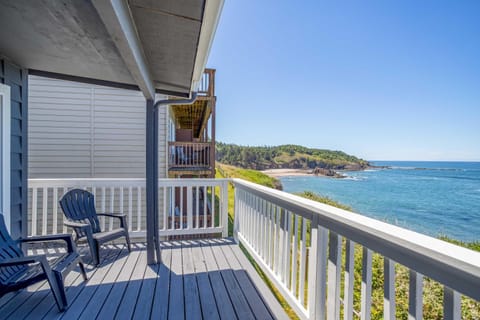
x,y
277,173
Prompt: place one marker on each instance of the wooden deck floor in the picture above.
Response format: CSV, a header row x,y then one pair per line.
x,y
200,279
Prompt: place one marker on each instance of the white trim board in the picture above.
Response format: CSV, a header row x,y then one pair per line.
x,y
5,122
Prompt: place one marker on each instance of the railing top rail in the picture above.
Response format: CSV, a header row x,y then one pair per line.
x,y
454,266
191,182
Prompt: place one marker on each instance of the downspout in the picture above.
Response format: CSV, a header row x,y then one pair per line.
x,y
153,241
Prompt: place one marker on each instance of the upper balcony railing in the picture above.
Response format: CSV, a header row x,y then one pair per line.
x,y
207,83
190,155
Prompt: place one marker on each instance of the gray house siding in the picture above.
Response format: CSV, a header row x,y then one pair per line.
x,y
16,77
81,130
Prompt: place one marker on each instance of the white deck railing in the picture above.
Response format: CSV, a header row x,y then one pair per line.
x,y
186,206
299,243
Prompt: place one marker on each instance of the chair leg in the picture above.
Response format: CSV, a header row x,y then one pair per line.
x,y
96,253
127,237
94,250
55,280
82,270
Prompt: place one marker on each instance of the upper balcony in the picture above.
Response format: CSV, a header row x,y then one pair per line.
x,y
192,153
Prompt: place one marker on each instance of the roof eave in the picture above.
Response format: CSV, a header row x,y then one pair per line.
x,y
211,17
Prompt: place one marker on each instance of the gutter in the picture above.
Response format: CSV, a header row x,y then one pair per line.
x,y
175,102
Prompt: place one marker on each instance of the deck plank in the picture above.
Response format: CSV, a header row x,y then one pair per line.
x,y
207,298
129,300
73,289
98,299
145,299
265,292
162,288
77,307
111,304
237,297
250,292
176,304
192,296
224,304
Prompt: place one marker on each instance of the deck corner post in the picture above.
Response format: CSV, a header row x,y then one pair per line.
x,y
236,213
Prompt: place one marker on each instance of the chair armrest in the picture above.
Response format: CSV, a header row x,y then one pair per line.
x,y
113,215
23,260
121,216
74,224
64,237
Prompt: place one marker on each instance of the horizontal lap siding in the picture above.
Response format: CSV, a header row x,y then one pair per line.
x,y
83,130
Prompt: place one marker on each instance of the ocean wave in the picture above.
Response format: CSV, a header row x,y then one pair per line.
x,y
353,178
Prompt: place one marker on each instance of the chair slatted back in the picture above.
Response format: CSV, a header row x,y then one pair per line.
x,y
79,205
9,248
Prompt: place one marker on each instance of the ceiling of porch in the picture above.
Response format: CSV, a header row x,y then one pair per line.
x,y
89,39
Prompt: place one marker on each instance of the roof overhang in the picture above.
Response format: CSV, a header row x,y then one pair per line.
x,y
156,46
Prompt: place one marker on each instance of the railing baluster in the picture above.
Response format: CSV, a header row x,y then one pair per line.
x,y
189,207
130,208
213,206
224,210
205,212
112,207
165,212
452,304
181,208
102,206
303,261
295,255
415,295
288,239
277,240
389,289
366,289
44,210
139,208
349,280
120,200
197,206
64,189
55,210
334,268
34,212
271,235
317,274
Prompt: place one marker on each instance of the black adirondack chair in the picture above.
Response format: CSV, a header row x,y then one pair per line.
x,y
79,208
18,271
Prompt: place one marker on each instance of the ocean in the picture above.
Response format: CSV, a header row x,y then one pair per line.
x,y
434,198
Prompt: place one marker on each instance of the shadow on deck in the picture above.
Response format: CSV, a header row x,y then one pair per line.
x,y
198,279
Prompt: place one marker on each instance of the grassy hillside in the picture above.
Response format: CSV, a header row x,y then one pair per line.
x,y
286,156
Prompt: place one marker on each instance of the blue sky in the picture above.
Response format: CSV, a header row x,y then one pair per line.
x,y
383,80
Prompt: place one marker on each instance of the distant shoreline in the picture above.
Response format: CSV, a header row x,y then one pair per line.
x,y
279,173
329,173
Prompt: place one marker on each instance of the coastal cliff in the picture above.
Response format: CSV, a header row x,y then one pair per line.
x,y
309,160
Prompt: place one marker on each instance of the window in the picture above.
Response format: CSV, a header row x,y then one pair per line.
x,y
5,152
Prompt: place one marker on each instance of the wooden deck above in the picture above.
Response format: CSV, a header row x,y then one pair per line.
x,y
201,279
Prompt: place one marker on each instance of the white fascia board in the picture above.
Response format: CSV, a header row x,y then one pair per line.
x,y
211,17
118,20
